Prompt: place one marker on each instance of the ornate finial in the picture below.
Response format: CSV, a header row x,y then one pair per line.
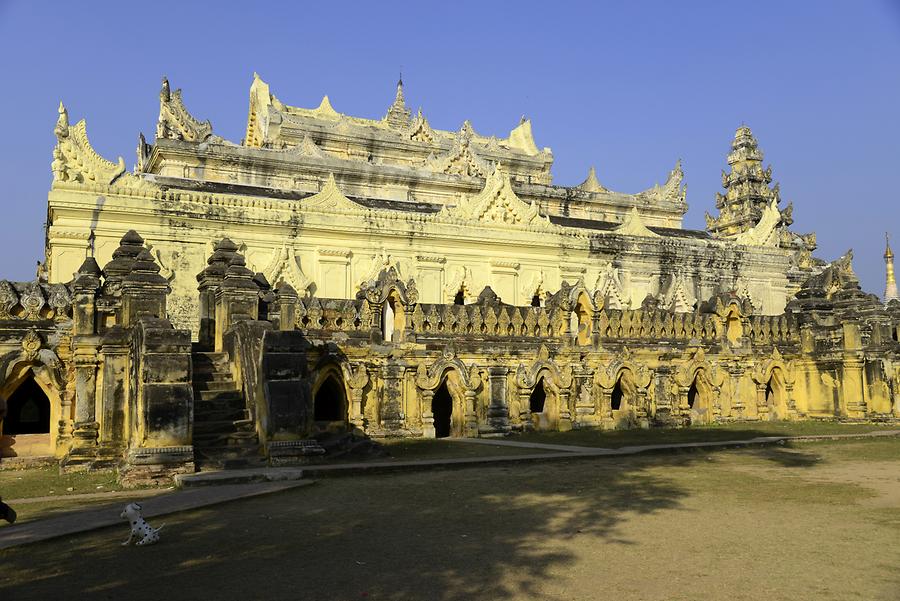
x,y
164,93
62,122
890,287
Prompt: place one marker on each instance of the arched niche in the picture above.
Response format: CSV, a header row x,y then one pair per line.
x,y
330,408
700,399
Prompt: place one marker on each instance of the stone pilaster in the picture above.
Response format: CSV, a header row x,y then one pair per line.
x,y
209,281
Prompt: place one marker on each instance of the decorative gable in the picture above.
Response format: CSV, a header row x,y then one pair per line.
x,y
498,204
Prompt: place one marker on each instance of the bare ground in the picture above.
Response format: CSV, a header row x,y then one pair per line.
x,y
816,521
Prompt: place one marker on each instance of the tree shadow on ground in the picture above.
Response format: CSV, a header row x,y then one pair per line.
x,y
443,535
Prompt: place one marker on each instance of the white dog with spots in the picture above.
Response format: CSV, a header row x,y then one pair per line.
x,y
140,529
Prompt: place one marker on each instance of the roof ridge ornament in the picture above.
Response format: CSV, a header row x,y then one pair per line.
x,y
592,184
175,122
76,161
634,226
521,138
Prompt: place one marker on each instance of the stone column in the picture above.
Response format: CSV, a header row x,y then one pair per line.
x,y
236,299
114,351
498,410
853,400
586,410
762,403
144,291
209,281
86,426
737,404
525,409
471,423
426,397
392,417
286,298
565,411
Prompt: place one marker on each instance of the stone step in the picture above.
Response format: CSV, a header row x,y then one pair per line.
x,y
220,385
247,475
225,439
218,395
218,413
223,427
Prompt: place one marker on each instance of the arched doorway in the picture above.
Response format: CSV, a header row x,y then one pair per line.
x,y
442,410
776,396
615,397
393,318
538,398
27,410
699,399
329,402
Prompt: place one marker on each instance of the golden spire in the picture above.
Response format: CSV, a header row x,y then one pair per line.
x,y
890,288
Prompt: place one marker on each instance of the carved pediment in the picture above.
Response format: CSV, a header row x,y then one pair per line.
x,y
497,203
610,289
460,159
634,226
331,199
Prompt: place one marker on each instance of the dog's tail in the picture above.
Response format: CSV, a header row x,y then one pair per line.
x,y
160,528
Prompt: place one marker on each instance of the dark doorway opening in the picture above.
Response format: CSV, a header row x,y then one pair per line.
x,y
27,410
692,394
615,399
538,397
536,301
460,298
328,404
442,410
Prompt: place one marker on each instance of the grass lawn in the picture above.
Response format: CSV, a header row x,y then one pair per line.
x,y
804,521
412,449
717,432
65,490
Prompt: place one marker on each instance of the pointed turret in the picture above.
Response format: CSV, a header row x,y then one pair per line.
x,y
398,115
747,191
890,287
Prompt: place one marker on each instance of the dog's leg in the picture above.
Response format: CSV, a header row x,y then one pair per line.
x,y
130,538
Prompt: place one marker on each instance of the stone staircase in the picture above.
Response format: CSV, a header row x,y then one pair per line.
x,y
223,436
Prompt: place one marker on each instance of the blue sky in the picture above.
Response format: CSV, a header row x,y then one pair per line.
x,y
626,86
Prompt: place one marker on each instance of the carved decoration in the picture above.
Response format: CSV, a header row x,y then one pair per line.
x,y
610,289
8,299
175,122
75,160
430,378
284,267
498,204
331,200
460,159
634,226
31,344
32,300
527,377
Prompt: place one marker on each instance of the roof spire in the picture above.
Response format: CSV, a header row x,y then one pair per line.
x,y
890,287
398,115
